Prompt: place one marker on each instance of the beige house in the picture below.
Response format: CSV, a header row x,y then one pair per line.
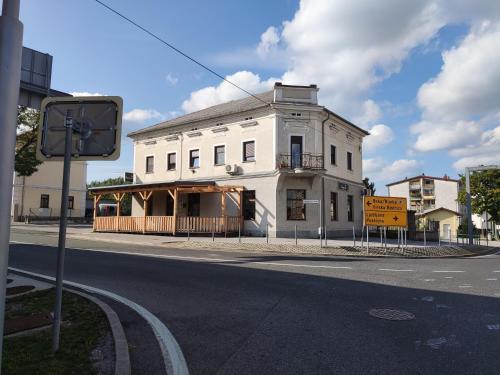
x,y
434,200
246,165
39,195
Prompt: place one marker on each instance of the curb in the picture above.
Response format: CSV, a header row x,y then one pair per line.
x,y
122,357
175,364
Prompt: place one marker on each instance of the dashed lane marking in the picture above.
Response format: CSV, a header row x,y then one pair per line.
x,y
448,277
492,279
465,286
394,270
448,271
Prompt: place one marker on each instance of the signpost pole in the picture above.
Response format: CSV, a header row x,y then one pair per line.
x,y
63,221
11,40
381,239
320,225
385,235
425,240
362,233
367,240
353,237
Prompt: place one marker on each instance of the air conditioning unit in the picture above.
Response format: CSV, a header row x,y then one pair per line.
x,y
231,169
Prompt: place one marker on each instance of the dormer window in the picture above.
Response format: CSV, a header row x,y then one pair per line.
x,y
296,114
249,118
219,124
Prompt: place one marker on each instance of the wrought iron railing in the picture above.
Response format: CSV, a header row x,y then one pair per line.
x,y
302,161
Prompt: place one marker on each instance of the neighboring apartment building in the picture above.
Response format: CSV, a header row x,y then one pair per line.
x,y
39,195
251,164
433,199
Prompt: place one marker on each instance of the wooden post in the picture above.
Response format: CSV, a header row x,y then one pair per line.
x,y
145,197
223,208
118,198
175,212
97,197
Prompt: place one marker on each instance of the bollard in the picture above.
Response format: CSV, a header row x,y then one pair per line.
x,y
362,239
353,236
449,237
326,238
295,234
239,233
213,234
425,239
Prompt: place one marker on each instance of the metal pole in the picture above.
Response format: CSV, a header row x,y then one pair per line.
x,y
320,225
189,229
367,240
381,239
239,232
63,221
11,37
468,205
295,234
326,237
385,235
267,233
425,239
213,232
362,239
353,236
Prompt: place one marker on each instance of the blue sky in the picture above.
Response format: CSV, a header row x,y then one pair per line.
x,y
421,75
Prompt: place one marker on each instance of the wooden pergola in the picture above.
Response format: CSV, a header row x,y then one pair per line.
x,y
167,224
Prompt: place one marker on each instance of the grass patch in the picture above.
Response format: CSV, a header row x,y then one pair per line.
x,y
83,325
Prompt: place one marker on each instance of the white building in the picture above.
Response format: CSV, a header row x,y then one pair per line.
x,y
247,164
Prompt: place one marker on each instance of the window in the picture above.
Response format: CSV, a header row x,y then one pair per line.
x,y
71,202
349,161
249,204
171,161
350,208
194,159
44,201
248,118
333,155
219,155
219,124
249,151
295,208
333,206
150,164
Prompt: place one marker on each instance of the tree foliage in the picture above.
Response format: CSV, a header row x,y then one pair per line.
x,y
126,204
485,193
27,131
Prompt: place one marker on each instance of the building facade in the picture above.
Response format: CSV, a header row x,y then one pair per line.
x,y
268,154
434,201
39,195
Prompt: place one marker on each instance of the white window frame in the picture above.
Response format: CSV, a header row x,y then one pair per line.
x,y
146,163
189,157
254,148
169,153
225,154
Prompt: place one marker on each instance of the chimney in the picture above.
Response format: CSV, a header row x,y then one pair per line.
x,y
295,93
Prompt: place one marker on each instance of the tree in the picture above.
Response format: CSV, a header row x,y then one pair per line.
x,y
485,193
27,131
369,186
126,204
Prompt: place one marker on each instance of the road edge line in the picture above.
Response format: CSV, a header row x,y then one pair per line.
x,y
173,357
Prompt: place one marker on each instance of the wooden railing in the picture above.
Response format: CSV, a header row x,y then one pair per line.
x,y
165,224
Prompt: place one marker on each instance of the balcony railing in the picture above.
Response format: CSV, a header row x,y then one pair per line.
x,y
300,161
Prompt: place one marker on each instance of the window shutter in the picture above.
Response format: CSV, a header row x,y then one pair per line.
x,y
249,150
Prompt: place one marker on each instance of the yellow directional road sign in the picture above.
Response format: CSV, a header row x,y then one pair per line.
x,y
385,211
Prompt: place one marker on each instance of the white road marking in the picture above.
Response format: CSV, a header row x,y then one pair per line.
x,y
465,286
448,277
496,271
211,259
429,279
492,279
394,270
493,326
445,271
171,351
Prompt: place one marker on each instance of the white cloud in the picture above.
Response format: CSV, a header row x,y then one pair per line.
x,y
142,115
438,136
380,171
487,152
86,93
380,135
268,41
371,112
171,79
224,92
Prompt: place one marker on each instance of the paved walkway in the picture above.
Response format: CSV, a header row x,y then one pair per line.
x,y
340,247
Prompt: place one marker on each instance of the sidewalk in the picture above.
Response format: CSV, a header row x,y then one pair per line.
x,y
341,247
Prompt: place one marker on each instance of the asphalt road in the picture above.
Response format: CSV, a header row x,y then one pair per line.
x,y
246,313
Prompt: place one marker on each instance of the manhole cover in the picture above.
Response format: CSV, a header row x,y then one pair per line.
x,y
391,314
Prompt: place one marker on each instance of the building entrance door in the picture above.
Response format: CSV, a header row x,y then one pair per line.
x,y
296,143
194,204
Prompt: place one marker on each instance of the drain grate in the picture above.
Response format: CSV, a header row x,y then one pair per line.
x,y
390,314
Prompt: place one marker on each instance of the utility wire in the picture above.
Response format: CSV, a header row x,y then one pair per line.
x,y
192,59
169,45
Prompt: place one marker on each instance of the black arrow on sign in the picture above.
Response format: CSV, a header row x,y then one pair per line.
x,y
395,218
368,204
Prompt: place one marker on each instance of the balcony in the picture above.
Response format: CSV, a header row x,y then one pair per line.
x,y
415,186
299,163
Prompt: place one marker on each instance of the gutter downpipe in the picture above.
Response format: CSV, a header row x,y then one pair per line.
x,y
322,177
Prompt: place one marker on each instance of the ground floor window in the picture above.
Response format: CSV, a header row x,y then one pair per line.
x,y
295,208
249,204
44,201
333,206
350,208
71,202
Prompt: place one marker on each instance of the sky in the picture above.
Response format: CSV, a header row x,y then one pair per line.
x,y
423,76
